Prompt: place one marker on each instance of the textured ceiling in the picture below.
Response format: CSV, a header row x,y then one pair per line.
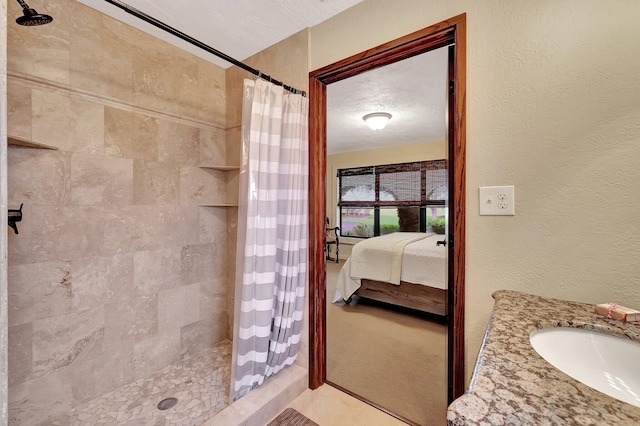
x,y
413,91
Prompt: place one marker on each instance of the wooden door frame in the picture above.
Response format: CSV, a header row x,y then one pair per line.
x,y
451,31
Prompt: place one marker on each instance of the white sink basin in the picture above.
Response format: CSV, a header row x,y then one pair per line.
x,y
607,363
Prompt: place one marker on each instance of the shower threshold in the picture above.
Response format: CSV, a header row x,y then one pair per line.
x,y
199,383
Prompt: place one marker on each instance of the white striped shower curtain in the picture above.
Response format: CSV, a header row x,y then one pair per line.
x,y
271,261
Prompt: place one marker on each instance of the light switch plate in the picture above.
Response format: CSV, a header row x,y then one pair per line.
x,y
497,201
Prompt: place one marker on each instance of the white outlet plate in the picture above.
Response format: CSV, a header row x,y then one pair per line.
x,y
497,201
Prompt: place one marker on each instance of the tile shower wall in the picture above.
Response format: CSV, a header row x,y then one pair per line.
x,y
116,272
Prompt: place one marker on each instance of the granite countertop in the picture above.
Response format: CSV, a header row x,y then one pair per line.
x,y
514,385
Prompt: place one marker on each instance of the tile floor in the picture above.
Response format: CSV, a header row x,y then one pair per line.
x,y
328,406
202,391
200,383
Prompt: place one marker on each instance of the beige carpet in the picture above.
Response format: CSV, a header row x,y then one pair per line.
x,y
393,359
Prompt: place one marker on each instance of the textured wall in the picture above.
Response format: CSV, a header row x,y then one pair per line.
x,y
552,108
116,271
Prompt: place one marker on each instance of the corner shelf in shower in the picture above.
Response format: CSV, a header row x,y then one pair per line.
x,y
14,141
215,167
224,169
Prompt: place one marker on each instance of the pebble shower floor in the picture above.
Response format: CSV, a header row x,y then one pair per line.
x,y
200,384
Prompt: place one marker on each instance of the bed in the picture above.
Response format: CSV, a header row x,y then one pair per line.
x,y
406,269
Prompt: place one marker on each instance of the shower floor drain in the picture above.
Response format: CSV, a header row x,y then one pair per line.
x,y
167,403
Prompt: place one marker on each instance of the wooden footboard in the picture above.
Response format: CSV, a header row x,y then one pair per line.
x,y
409,295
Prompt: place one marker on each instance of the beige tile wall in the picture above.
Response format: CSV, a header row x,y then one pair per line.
x,y
116,271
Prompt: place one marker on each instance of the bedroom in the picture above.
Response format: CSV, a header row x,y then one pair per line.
x,y
407,157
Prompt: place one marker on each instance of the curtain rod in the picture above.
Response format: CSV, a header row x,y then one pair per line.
x,y
153,21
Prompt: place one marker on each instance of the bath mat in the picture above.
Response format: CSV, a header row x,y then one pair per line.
x,y
291,417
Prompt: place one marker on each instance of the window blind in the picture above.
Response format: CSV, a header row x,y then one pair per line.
x,y
405,184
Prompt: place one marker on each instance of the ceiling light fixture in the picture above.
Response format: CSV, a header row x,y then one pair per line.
x,y
377,120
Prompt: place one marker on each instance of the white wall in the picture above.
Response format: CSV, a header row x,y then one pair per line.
x,y
553,107
3,205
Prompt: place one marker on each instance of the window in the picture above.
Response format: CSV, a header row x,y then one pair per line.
x,y
378,200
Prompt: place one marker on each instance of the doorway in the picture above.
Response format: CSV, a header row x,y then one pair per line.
x,y
451,32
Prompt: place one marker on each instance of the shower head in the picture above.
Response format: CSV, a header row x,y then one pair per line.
x,y
31,17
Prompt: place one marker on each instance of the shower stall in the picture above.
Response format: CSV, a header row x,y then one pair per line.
x,y
123,151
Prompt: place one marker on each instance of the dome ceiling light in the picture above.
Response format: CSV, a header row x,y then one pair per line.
x,y
377,120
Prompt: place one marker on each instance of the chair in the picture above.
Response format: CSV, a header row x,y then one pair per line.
x,y
331,238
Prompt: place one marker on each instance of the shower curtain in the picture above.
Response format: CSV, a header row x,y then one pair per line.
x,y
271,258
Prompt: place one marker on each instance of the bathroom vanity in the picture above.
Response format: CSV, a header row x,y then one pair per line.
x,y
513,384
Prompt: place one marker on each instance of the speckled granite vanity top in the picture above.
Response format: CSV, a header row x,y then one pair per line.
x,y
514,385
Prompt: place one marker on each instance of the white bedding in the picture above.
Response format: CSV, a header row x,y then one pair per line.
x,y
380,258
423,262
